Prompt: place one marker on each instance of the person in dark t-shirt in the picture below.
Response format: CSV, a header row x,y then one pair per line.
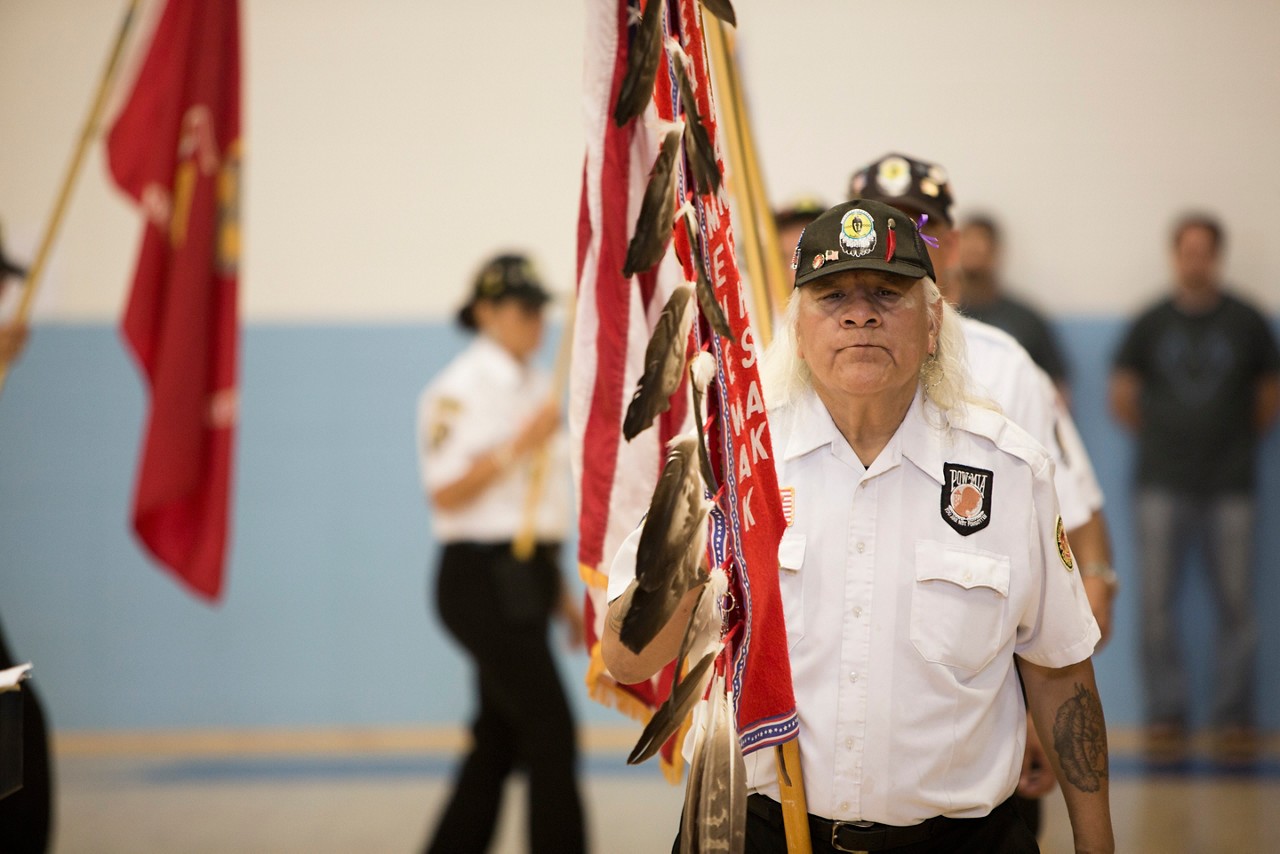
x,y
1197,380
984,298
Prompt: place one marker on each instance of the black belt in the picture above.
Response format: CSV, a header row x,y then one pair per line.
x,y
856,835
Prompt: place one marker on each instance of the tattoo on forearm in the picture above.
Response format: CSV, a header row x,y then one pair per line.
x,y
1080,738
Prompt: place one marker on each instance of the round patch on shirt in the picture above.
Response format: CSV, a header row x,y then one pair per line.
x,y
1064,547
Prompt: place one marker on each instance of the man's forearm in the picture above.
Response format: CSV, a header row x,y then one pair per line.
x,y
629,667
1068,716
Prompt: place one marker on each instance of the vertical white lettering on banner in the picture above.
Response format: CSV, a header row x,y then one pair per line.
x,y
744,512
758,451
755,403
749,345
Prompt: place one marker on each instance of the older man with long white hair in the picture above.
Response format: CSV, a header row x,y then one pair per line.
x,y
924,568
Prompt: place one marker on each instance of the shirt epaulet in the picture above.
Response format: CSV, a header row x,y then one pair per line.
x,y
1005,435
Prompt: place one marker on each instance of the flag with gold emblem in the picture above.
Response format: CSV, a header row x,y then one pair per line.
x,y
174,149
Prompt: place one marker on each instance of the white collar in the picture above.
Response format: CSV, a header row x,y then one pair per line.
x,y
916,438
506,368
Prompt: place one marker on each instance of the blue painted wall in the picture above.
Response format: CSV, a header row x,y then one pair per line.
x,y
325,617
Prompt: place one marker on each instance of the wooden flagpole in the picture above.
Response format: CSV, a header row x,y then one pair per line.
x,y
87,134
526,538
764,267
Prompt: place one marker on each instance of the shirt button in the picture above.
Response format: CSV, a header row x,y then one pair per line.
x,y
968,576
848,742
844,806
853,677
857,611
862,547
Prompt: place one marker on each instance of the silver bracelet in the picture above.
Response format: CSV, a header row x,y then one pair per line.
x,y
1103,570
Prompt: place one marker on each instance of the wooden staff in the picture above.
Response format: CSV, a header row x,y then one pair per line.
x,y
87,134
526,538
748,242
764,268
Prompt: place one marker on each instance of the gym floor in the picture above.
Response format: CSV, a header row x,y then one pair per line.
x,y
380,791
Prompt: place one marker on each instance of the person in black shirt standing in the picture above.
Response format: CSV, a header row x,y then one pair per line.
x,y
1197,380
984,298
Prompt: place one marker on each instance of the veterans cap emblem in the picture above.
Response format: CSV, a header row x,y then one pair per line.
x,y
894,175
1064,547
857,233
966,498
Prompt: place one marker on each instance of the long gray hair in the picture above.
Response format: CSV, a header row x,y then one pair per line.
x,y
944,375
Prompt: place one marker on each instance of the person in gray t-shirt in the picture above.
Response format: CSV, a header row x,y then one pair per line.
x,y
1197,380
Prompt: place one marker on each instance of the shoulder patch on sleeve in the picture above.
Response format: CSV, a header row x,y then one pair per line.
x,y
441,420
1064,547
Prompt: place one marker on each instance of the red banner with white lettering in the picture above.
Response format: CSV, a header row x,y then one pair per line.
x,y
747,519
175,150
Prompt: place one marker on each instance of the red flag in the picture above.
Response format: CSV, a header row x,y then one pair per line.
x,y
175,149
615,318
747,521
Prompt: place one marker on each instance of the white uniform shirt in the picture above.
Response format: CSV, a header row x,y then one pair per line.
x,y
475,406
901,630
1002,370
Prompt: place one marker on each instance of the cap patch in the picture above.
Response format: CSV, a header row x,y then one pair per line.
x,y
1064,547
894,176
857,233
966,498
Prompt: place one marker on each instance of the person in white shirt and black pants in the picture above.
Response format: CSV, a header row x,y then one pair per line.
x,y
923,568
480,423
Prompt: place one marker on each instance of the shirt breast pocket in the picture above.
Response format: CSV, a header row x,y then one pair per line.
x,y
791,585
959,604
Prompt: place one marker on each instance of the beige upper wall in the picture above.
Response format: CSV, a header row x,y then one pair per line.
x,y
392,144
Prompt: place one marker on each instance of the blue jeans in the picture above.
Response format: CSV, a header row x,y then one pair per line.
x,y
1169,524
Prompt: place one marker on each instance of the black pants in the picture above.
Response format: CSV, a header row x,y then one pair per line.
x,y
1001,832
523,719
26,815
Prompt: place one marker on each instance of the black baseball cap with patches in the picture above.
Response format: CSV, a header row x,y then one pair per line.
x,y
905,182
861,235
508,276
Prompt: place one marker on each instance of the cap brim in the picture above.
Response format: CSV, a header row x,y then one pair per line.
x,y
909,271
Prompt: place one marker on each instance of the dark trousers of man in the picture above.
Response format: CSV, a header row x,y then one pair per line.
x,y
498,610
26,815
1001,832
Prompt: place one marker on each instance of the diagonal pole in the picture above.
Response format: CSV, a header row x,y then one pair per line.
x,y
526,537
87,134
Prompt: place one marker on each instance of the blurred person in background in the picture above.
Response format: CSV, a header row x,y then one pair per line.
x,y
1197,381
26,816
789,221
983,297
1003,371
482,424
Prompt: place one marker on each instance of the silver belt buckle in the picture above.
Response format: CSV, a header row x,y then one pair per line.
x,y
835,835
